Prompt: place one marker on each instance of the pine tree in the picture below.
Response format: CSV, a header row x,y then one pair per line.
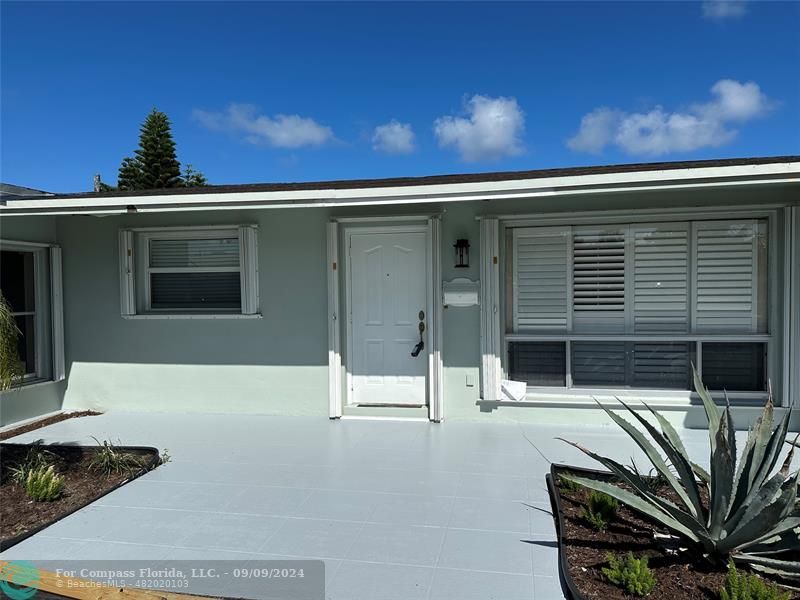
x,y
193,178
156,154
130,174
155,164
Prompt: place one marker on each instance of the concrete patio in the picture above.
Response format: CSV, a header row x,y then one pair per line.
x,y
397,510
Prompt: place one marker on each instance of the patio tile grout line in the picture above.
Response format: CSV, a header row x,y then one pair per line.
x,y
300,518
298,556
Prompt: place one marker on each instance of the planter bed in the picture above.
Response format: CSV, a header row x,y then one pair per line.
x,y
39,423
583,550
20,517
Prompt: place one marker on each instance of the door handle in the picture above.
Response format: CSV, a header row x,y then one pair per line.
x,y
417,349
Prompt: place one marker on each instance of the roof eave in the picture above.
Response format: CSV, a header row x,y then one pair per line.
x,y
716,176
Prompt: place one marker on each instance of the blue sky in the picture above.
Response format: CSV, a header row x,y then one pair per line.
x,y
303,91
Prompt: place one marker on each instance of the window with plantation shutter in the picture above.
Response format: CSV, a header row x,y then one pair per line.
x,y
726,278
598,279
541,298
635,305
660,278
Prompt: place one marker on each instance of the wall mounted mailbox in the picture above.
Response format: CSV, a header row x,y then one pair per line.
x,y
461,292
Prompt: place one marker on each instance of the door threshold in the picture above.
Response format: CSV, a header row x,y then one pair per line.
x,y
367,418
392,412
378,405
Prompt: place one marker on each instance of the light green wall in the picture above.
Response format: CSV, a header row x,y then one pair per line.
x,y
278,364
274,365
27,402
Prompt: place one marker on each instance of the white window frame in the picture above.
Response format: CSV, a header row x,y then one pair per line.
x,y
585,395
48,312
135,271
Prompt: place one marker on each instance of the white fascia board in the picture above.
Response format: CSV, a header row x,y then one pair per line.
x,y
772,173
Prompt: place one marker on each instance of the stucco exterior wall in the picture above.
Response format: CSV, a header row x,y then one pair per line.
x,y
277,364
22,403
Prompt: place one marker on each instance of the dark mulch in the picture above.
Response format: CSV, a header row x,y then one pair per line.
x,y
680,576
45,422
19,514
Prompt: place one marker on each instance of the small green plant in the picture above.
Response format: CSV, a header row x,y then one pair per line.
x,y
164,457
600,510
43,484
36,457
110,460
630,573
743,586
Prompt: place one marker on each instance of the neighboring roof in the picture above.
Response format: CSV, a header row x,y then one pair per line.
x,y
432,189
9,191
437,179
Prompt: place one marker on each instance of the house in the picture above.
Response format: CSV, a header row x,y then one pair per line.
x,y
415,297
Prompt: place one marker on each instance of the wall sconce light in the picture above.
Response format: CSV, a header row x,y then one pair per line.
x,y
462,253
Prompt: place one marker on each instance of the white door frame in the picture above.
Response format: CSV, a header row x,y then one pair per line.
x,y
430,225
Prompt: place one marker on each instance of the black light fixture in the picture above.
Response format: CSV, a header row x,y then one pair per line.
x,y
462,253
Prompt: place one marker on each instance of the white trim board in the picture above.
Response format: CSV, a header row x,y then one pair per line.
x,y
337,254
632,181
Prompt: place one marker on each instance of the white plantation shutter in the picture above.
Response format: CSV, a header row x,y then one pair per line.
x,y
661,278
541,271
598,283
726,276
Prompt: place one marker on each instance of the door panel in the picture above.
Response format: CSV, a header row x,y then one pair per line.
x,y
388,292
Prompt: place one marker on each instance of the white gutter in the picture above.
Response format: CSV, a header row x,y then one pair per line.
x,y
763,174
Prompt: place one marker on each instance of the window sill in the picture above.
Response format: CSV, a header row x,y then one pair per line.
x,y
610,399
32,383
193,316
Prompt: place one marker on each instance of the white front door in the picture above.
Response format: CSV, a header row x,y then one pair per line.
x,y
388,302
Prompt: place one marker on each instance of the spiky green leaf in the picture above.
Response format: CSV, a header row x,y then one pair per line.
x,y
687,489
653,455
766,520
784,568
722,473
635,502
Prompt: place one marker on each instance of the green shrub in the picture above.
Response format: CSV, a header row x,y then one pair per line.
x,y
109,460
743,586
36,457
630,573
43,484
600,510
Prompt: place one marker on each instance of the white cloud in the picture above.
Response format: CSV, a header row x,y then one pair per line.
x,y
491,129
393,138
280,131
597,130
719,10
658,131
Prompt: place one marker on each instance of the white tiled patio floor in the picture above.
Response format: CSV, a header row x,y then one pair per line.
x,y
397,510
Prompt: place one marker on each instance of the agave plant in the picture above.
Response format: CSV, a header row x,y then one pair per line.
x,y
751,515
